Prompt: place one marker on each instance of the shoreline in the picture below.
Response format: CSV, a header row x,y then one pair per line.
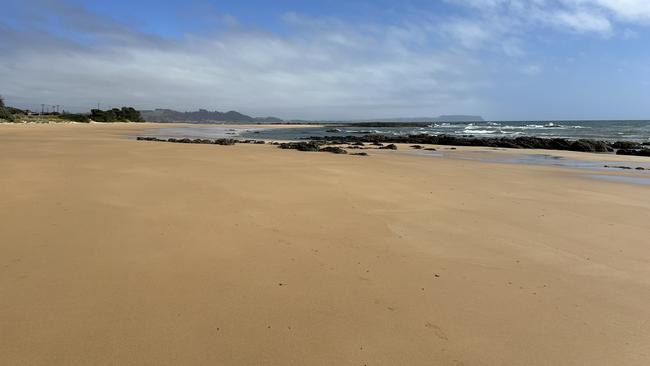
x,y
544,157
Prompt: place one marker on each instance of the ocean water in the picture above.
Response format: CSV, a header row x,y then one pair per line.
x,y
597,130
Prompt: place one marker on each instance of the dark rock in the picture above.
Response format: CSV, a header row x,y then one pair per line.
x,y
521,142
640,168
389,147
430,149
360,154
300,146
417,147
333,150
588,146
641,152
222,141
625,145
141,138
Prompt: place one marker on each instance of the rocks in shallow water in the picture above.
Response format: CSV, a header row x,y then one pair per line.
x,y
430,149
520,142
223,142
589,146
417,147
389,147
625,145
251,142
641,152
624,167
333,150
360,154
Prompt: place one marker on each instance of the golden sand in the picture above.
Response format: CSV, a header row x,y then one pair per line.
x,y
123,252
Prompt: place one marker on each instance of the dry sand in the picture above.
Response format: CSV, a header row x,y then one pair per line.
x,y
123,252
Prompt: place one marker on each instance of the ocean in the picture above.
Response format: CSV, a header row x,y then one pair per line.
x,y
597,130
638,131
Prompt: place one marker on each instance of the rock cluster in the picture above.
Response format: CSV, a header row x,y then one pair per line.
x,y
302,145
193,141
624,167
639,152
334,150
521,142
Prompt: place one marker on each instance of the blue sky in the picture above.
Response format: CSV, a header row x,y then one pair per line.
x,y
503,59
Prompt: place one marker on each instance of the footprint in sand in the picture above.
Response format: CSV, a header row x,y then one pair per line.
x,y
437,330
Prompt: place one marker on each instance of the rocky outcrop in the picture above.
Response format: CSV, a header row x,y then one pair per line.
x,y
521,142
301,146
333,150
640,152
389,147
191,141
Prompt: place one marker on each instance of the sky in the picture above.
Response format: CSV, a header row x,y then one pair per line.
x,y
352,59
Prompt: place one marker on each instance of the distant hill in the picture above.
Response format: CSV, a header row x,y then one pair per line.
x,y
443,118
203,116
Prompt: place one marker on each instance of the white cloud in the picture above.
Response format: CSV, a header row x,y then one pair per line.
x,y
582,16
625,10
423,64
582,21
328,69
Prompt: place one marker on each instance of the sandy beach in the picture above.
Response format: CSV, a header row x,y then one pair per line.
x,y
122,252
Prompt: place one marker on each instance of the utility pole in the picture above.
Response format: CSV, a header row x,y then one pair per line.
x,y
42,108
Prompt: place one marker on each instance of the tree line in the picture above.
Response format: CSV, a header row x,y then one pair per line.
x,y
124,114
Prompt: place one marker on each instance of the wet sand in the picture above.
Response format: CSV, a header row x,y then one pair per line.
x,y
122,252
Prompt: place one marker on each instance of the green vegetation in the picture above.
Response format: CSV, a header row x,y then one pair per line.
x,y
126,114
6,112
78,117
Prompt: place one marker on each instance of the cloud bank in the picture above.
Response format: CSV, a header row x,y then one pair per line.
x,y
322,68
